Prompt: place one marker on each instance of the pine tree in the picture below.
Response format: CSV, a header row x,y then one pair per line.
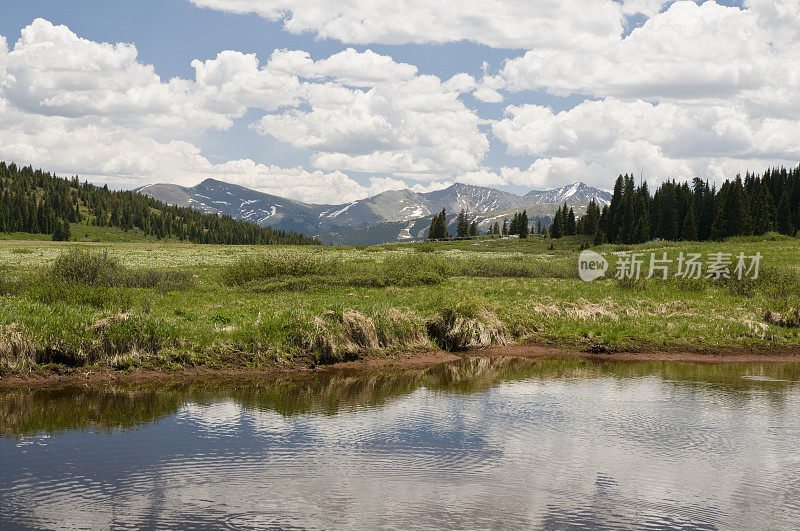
x,y
62,231
590,221
463,226
689,227
785,215
557,228
473,229
570,225
524,229
513,228
505,227
438,230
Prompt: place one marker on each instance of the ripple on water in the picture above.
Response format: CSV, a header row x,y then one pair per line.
x,y
544,452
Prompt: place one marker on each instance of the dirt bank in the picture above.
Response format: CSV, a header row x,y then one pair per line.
x,y
52,377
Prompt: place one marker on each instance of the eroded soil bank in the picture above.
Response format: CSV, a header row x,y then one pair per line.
x,y
59,376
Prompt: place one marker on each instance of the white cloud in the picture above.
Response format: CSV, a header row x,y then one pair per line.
x,y
460,83
125,159
781,17
431,187
488,95
77,106
679,131
645,7
349,67
411,127
598,139
298,183
688,51
52,72
584,24
233,81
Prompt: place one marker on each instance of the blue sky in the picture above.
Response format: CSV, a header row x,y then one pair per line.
x,y
549,93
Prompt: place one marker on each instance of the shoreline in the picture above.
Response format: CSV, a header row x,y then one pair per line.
x,y
52,378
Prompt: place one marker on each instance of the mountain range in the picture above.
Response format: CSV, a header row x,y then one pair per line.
x,y
389,216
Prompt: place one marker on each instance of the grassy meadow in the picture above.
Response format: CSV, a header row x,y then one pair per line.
x,y
169,305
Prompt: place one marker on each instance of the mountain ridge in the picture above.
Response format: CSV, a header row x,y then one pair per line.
x,y
392,206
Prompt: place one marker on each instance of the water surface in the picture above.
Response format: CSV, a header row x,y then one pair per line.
x,y
505,442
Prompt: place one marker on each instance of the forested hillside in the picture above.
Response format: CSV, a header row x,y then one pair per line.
x,y
682,211
40,203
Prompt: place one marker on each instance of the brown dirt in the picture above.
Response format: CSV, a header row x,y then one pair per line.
x,y
61,377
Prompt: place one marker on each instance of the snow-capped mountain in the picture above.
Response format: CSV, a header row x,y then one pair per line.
x,y
393,214
212,196
576,193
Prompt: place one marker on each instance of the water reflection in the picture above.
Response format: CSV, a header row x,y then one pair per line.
x,y
511,442
25,411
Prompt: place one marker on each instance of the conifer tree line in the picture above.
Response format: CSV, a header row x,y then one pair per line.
x,y
465,229
37,202
682,211
438,230
519,225
564,223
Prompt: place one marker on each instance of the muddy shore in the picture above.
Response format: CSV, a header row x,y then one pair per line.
x,y
47,377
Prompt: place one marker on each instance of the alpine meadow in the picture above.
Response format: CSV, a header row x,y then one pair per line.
x,y
400,265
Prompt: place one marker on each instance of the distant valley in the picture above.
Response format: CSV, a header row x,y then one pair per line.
x,y
395,215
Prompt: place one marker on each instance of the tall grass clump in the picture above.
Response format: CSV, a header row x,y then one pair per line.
x,y
518,267
298,272
416,270
97,268
348,334
273,266
466,324
17,351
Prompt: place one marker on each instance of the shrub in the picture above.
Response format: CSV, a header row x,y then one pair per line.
x,y
412,270
93,268
87,267
271,266
638,284
519,267
287,272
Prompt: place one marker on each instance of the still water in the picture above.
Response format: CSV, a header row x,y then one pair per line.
x,y
480,443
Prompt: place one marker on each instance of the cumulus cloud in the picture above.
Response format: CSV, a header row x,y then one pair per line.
x,y
688,52
125,159
699,89
297,183
414,126
584,24
349,67
663,140
78,106
233,82
52,72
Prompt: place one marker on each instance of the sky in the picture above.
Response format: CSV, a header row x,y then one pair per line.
x,y
329,102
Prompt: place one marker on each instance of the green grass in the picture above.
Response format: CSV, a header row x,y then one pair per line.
x,y
82,232
169,305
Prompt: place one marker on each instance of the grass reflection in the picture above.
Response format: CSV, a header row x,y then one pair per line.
x,y
26,411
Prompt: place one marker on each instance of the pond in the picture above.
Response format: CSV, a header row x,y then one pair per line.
x,y
481,442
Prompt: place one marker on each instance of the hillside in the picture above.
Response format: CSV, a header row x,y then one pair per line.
x,y
35,202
